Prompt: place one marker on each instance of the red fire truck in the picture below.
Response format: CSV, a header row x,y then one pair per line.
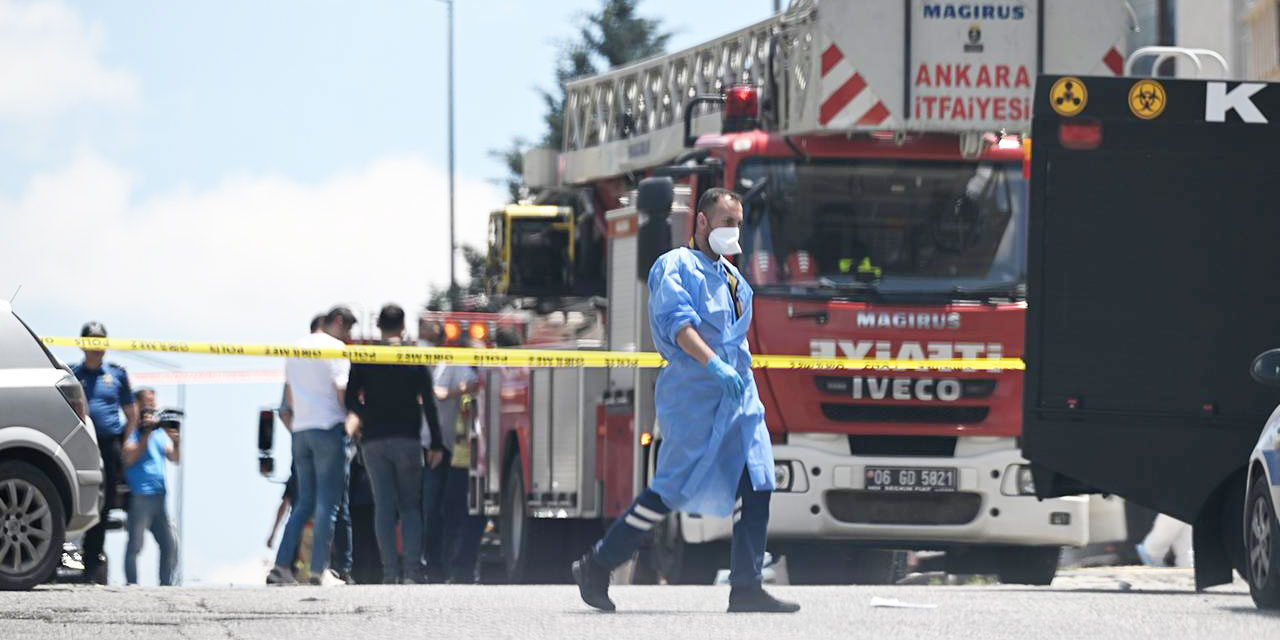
x,y
878,148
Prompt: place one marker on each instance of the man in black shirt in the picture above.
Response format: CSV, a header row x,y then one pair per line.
x,y
386,404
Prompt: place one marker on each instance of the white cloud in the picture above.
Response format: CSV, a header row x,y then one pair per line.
x,y
251,258
50,60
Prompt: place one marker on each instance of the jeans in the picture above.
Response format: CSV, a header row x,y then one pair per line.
x,y
434,482
147,512
109,447
321,462
750,532
395,471
462,531
343,544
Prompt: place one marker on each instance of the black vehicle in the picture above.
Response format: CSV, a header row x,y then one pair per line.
x,y
1153,268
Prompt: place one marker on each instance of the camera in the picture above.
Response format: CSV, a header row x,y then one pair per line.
x,y
162,419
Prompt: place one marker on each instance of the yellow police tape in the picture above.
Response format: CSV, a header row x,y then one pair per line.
x,y
512,357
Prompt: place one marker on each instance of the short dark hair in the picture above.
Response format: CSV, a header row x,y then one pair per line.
x,y
137,394
391,318
340,312
711,197
317,323
93,329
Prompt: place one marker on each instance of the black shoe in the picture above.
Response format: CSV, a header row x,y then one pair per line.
x,y
755,599
346,577
593,582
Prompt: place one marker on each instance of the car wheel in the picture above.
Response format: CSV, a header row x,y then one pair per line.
x,y
32,526
1262,546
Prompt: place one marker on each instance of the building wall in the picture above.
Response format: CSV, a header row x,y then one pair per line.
x,y
1212,25
1259,42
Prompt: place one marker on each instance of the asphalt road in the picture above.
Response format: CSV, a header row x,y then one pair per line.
x,y
1091,603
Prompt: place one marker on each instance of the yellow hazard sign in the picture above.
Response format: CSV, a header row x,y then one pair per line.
x,y
1147,99
539,358
1068,96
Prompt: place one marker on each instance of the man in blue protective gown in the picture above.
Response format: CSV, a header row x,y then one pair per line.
x,y
715,459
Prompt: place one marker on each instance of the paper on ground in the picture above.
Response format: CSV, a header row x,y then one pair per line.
x,y
894,603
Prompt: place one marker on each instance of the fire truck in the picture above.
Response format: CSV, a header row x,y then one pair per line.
x,y
880,153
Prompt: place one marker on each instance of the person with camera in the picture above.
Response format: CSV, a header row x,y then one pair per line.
x,y
145,451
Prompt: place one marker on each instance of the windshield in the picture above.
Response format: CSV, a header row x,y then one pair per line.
x,y
888,227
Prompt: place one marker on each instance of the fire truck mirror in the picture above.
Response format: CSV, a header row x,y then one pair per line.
x,y
654,200
266,429
655,196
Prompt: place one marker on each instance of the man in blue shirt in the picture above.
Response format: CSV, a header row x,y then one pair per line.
x,y
106,387
716,458
145,451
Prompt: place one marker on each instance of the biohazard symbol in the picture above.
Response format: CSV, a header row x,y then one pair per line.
x,y
1146,99
1068,96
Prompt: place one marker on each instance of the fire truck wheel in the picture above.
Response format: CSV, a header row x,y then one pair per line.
x,y
1027,565
820,564
680,562
877,566
535,550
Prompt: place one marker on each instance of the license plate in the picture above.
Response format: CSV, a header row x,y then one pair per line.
x,y
910,479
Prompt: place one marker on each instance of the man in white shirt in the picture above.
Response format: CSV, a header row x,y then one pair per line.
x,y
315,391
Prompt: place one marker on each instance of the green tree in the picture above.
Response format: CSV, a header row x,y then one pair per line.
x,y
612,36
513,159
475,288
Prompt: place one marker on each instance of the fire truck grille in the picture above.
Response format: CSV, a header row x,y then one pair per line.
x,y
899,413
923,446
879,507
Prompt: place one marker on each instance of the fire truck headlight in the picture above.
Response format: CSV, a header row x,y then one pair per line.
x,y
782,475
1026,484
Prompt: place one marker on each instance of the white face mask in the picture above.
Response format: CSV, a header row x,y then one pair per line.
x,y
724,241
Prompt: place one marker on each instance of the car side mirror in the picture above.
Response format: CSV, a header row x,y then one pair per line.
x,y
1266,368
266,430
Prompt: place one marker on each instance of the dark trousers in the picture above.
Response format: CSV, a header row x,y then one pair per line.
x,y
434,483
750,532
462,531
343,545
109,448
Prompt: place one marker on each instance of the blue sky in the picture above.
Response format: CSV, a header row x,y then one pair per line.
x,y
224,170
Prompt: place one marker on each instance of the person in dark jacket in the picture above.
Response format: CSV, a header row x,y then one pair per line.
x,y
386,404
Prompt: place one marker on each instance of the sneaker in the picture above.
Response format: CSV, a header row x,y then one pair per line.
x,y
1145,556
593,582
754,599
346,577
281,576
326,578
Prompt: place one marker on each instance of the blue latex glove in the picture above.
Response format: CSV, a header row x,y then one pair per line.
x,y
729,379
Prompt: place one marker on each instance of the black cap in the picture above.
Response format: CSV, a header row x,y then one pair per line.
x,y
93,329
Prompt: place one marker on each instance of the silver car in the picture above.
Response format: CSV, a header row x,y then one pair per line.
x,y
1262,498
50,468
